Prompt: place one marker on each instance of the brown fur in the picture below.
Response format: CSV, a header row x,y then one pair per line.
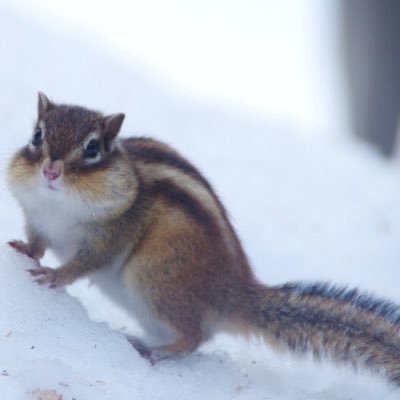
x,y
147,201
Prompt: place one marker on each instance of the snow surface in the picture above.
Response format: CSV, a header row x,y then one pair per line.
x,y
306,207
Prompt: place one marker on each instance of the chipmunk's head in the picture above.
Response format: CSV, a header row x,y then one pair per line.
x,y
73,158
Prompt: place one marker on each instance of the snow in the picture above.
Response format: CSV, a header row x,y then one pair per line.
x,y
306,207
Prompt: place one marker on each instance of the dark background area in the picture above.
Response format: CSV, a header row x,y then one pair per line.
x,y
371,37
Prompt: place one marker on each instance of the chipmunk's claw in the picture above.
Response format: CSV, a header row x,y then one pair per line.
x,y
21,247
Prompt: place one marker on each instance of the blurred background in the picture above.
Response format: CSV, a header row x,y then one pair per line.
x,y
318,66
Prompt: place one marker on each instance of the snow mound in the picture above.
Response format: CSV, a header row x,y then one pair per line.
x,y
50,348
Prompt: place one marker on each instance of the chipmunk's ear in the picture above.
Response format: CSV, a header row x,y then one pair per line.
x,y
112,125
44,104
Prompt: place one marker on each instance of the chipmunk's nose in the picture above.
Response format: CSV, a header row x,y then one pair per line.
x,y
52,169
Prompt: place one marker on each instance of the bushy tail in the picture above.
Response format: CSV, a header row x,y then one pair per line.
x,y
344,325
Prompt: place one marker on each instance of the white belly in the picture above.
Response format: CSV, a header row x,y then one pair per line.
x,y
54,217
60,231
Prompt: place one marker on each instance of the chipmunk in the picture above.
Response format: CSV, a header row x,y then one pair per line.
x,y
137,212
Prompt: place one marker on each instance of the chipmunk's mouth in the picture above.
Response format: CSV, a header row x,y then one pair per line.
x,y
54,185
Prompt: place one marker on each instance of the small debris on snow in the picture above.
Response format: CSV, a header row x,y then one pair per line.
x,y
239,388
47,394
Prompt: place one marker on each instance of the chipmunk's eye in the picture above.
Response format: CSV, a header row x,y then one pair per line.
x,y
92,149
37,139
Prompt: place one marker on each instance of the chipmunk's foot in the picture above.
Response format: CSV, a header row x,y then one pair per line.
x,y
53,277
180,348
143,350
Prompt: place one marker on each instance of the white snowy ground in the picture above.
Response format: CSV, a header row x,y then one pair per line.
x,y
313,208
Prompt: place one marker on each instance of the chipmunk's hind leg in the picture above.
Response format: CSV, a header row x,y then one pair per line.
x,y
180,348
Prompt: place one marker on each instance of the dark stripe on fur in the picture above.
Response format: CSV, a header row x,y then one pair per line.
x,y
312,324
146,150
364,301
298,317
183,200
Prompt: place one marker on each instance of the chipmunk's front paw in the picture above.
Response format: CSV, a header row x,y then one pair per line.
x,y
21,247
53,277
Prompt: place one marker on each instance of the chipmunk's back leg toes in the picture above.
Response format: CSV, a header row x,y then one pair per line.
x,y
180,348
143,350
